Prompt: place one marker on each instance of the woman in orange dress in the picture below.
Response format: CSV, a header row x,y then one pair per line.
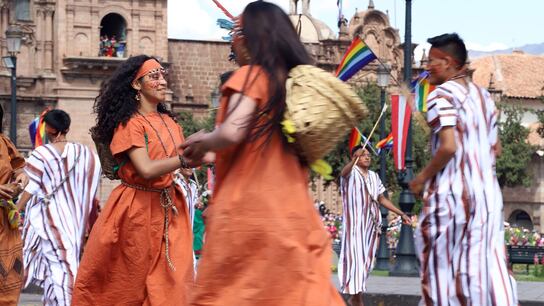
x,y
265,243
140,249
12,181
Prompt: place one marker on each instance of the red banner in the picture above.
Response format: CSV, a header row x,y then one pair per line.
x,y
400,121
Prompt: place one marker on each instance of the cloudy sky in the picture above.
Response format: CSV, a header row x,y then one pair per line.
x,y
484,24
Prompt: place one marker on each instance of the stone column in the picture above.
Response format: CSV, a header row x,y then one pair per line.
x,y
69,27
95,32
133,46
39,39
5,20
48,40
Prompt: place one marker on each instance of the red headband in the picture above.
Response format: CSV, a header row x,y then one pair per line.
x,y
147,66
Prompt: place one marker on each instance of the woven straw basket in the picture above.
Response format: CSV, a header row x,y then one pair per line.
x,y
322,109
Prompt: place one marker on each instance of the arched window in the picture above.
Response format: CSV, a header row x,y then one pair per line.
x,y
520,218
113,33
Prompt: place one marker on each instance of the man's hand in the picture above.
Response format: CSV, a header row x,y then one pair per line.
x,y
22,179
417,185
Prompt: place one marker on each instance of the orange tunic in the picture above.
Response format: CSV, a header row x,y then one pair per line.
x,y
124,262
11,245
265,243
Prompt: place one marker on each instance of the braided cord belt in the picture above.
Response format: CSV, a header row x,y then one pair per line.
x,y
166,204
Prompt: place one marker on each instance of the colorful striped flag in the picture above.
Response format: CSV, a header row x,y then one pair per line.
x,y
400,120
357,56
421,88
36,130
386,142
356,138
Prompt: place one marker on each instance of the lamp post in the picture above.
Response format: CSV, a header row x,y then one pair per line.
x,y
215,98
382,256
406,263
14,35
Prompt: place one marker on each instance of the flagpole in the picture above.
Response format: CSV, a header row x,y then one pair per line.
x,y
406,264
371,132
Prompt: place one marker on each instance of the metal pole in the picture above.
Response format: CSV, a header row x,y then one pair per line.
x,y
382,256
406,263
13,123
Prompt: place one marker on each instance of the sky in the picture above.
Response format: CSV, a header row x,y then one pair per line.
x,y
485,25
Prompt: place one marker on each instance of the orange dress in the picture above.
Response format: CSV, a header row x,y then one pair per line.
x,y
124,262
11,245
265,243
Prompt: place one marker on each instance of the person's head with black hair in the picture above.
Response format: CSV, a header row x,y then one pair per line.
x,y
363,156
355,149
447,58
57,124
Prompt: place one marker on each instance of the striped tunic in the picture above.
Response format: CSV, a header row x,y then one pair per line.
x,y
190,191
54,233
460,238
360,229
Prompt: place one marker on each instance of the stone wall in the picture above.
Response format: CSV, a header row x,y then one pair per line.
x,y
194,72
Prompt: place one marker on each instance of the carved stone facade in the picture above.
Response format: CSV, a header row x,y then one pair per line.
x,y
58,64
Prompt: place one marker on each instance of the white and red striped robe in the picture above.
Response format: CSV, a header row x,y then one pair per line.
x,y
360,229
460,239
54,234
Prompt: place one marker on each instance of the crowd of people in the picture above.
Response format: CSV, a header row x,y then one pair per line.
x,y
111,47
263,243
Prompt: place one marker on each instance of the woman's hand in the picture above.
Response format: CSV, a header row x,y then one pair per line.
x,y
6,192
195,147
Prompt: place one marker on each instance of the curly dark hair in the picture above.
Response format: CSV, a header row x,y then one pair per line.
x,y
116,101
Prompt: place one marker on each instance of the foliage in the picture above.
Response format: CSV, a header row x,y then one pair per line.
x,y
540,115
513,163
370,95
192,125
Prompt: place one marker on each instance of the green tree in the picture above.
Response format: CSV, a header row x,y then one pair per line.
x,y
190,126
513,164
540,115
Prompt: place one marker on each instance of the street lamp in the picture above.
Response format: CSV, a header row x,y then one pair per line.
x,y
215,98
14,36
382,257
406,263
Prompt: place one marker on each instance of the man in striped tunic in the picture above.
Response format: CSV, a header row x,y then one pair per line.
x,y
460,237
61,206
362,193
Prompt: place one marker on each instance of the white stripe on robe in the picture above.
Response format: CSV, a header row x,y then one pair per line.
x,y
54,234
360,229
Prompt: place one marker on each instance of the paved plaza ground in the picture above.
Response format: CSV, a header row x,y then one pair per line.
x,y
389,291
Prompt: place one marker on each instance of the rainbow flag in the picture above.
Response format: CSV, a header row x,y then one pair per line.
x,y
357,56
387,142
356,138
421,89
36,130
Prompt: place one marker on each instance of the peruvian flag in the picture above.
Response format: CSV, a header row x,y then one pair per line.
x,y
400,120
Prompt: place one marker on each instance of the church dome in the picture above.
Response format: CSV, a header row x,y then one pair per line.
x,y
311,30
